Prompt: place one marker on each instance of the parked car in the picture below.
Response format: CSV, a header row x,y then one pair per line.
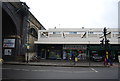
x,y
97,57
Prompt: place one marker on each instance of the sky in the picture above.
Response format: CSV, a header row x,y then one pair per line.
x,y
75,13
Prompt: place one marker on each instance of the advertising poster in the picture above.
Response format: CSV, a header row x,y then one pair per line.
x,y
10,43
64,55
8,52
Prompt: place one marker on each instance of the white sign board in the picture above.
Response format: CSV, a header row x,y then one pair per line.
x,y
9,43
7,51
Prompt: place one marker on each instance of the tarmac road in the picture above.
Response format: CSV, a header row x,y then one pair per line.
x,y
51,72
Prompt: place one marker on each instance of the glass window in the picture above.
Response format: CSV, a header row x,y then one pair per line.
x,y
116,32
72,32
82,32
56,32
90,32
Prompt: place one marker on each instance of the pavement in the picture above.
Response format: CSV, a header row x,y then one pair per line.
x,y
63,63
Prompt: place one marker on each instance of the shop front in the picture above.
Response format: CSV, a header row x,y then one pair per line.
x,y
71,51
50,51
115,52
96,50
82,52
65,52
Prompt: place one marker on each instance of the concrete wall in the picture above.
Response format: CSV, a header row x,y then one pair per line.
x,y
85,36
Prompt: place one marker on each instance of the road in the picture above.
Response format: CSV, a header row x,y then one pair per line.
x,y
50,72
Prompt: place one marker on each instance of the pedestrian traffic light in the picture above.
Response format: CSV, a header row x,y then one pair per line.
x,y
102,42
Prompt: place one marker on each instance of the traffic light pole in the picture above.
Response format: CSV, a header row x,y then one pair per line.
x,y
106,42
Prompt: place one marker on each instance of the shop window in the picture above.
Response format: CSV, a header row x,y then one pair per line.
x,y
56,32
54,54
116,34
72,32
44,34
90,32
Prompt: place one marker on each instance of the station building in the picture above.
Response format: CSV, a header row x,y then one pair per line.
x,y
64,43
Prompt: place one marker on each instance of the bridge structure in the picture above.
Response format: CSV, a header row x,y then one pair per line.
x,y
19,31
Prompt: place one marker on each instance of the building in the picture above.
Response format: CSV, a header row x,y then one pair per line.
x,y
64,43
19,31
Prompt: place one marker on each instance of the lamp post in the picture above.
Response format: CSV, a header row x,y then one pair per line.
x,y
28,44
89,51
24,11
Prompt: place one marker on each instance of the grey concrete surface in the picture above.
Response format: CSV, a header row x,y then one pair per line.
x,y
51,72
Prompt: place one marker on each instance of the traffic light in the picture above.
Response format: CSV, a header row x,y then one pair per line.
x,y
107,42
105,31
102,42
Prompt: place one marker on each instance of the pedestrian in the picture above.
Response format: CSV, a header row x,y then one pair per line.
x,y
111,60
104,61
119,58
70,55
74,59
81,57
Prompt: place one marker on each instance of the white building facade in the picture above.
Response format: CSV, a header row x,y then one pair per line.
x,y
64,43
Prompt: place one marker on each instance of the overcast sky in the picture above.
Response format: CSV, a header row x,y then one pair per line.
x,y
75,13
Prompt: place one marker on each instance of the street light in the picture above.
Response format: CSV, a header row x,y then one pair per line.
x,y
24,11
88,48
28,44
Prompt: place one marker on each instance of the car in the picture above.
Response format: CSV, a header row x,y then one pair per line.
x,y
97,57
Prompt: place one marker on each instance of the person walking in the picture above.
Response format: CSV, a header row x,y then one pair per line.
x,y
111,60
104,61
119,58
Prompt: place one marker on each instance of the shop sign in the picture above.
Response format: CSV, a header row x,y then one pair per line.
x,y
7,51
94,51
9,43
75,47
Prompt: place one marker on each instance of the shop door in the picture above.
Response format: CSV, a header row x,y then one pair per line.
x,y
43,54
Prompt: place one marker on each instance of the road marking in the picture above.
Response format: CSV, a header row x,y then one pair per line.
x,y
63,67
73,71
94,70
5,68
41,70
62,71
25,70
16,69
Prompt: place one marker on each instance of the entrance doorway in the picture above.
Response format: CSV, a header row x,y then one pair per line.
x,y
43,54
9,37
